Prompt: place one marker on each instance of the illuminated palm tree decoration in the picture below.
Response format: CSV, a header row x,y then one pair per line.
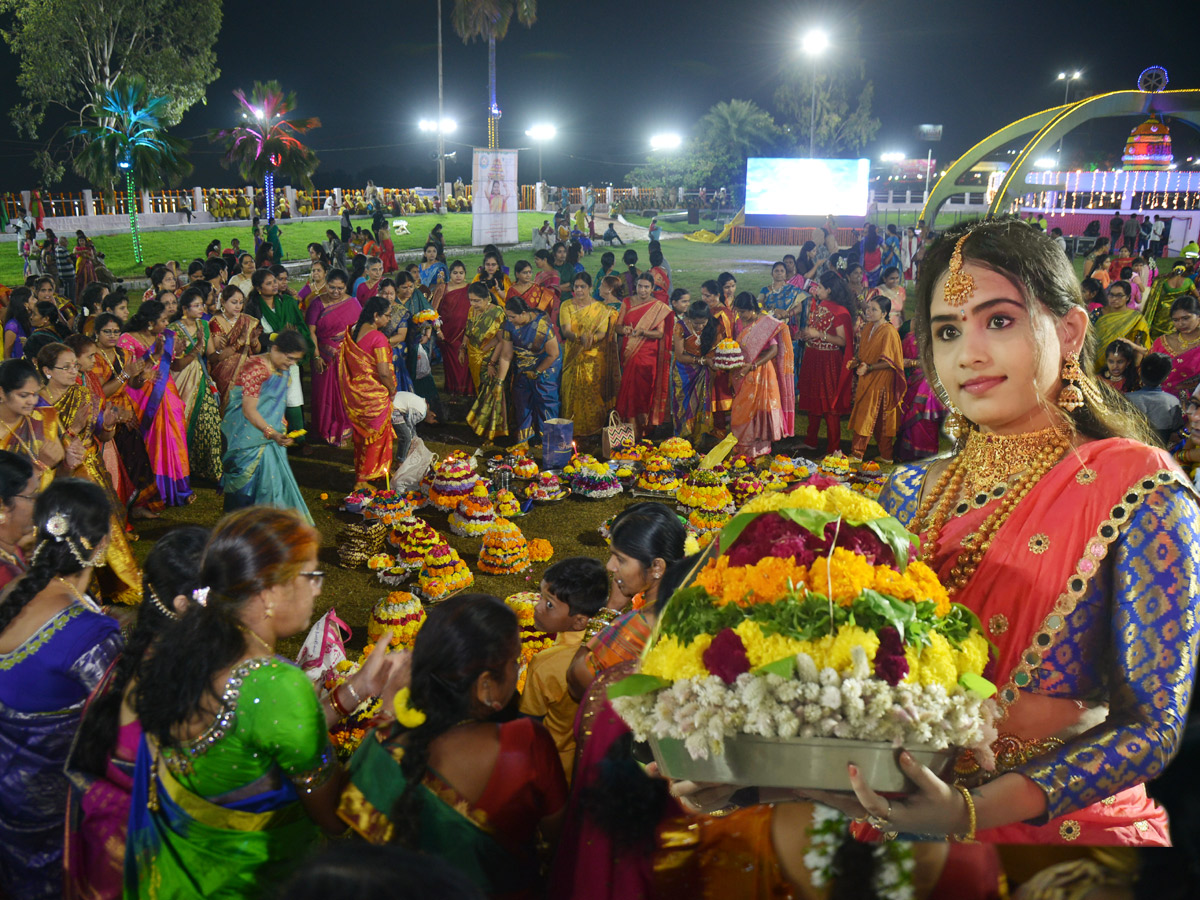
x,y
126,138
266,144
489,19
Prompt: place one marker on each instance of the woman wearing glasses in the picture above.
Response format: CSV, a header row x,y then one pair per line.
x,y
235,777
86,423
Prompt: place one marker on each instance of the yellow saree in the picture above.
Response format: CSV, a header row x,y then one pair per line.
x,y
583,368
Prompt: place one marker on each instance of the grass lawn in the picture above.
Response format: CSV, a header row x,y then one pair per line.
x,y
184,244
678,226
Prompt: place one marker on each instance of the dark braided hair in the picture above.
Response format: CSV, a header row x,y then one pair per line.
x,y
171,570
250,551
85,508
463,638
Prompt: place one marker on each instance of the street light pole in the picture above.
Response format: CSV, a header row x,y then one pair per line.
x,y
815,42
1066,80
441,142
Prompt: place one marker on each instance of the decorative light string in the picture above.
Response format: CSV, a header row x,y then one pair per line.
x,y
131,199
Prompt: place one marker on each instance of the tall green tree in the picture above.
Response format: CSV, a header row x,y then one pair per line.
x,y
489,20
125,137
71,52
742,127
266,143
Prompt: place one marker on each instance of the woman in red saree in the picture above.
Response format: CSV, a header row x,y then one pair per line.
x,y
453,309
822,391
879,365
328,316
1068,537
646,324
368,382
721,396
543,299
764,403
235,335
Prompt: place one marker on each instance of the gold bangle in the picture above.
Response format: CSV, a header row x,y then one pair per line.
x,y
969,837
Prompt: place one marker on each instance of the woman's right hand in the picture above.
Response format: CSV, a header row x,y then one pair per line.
x,y
318,364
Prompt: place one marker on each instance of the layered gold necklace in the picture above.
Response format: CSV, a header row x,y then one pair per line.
x,y
987,460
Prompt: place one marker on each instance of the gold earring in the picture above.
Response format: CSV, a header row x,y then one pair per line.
x,y
1070,398
269,612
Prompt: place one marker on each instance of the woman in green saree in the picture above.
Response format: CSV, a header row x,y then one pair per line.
x,y
421,783
202,407
235,778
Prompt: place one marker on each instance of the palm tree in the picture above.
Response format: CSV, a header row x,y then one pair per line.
x,y
267,144
490,19
126,137
740,126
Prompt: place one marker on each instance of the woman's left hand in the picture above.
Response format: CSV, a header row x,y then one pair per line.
x,y
862,369
934,808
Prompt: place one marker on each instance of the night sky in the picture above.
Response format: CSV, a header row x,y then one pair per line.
x,y
610,74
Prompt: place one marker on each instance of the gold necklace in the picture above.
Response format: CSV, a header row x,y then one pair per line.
x,y
86,601
254,634
1185,343
991,459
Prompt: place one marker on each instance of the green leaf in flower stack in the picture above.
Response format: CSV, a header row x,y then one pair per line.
x,y
811,520
784,668
873,610
977,684
636,686
896,536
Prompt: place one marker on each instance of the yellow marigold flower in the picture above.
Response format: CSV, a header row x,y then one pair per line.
x,y
804,497
670,660
770,578
889,581
847,638
914,666
847,576
927,586
938,663
712,576
972,656
762,649
851,505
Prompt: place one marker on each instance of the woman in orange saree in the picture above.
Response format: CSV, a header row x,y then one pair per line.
x,y
532,294
646,325
721,395
763,407
1068,537
879,365
125,455
367,380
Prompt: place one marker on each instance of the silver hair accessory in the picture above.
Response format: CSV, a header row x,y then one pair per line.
x,y
57,526
159,605
200,595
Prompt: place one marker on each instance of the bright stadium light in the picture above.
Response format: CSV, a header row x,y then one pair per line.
x,y
666,141
1046,162
448,126
815,42
541,133
894,156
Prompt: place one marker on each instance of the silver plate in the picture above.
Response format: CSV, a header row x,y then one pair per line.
x,y
803,763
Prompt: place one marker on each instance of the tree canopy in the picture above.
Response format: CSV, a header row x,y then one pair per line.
x,y
71,53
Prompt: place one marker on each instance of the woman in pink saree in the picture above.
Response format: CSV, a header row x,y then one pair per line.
x,y
328,317
764,400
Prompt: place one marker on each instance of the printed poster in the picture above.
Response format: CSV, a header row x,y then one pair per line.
x,y
494,197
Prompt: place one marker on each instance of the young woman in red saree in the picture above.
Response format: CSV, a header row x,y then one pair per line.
x,y
822,391
368,382
764,403
646,325
721,396
453,309
1071,540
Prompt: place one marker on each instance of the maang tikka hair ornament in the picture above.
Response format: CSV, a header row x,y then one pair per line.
x,y
959,285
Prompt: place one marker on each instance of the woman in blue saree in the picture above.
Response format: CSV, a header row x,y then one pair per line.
x,y
257,472
55,647
695,336
527,342
434,274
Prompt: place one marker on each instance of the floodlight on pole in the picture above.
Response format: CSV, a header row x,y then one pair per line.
x,y
1046,162
894,156
541,133
441,127
668,140
1067,78
815,42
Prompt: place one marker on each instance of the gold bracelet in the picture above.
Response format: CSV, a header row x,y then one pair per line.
x,y
969,837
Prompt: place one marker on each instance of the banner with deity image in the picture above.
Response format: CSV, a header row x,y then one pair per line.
x,y
494,192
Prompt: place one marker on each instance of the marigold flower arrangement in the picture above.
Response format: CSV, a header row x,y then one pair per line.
x,y
627,450
704,489
505,550
399,611
677,448
444,573
540,550
533,641
810,620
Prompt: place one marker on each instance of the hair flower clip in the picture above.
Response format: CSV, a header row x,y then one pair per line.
x,y
57,526
200,595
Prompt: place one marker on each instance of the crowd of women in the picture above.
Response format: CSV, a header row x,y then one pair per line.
x,y
185,758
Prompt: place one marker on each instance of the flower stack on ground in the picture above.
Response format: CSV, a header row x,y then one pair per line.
x,y
745,486
507,504
814,622
387,506
412,539
547,487
783,466
594,480
540,550
658,475
704,489
836,464
356,500
526,469
533,641
677,449
453,481
505,551
627,451
444,573
399,611
475,514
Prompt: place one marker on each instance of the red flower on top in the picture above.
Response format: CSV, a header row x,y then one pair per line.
x,y
773,535
726,656
890,662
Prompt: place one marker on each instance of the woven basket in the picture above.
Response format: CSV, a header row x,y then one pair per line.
x,y
359,541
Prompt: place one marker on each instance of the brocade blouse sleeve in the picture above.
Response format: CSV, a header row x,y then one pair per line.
x,y
1153,632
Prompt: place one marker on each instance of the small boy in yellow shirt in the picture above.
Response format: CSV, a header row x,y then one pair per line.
x,y
572,591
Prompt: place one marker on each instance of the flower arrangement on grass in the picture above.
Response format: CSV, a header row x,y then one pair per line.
x,y
533,641
813,622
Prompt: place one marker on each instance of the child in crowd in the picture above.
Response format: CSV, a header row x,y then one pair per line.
x,y
1187,450
572,591
423,382
1161,408
1121,370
